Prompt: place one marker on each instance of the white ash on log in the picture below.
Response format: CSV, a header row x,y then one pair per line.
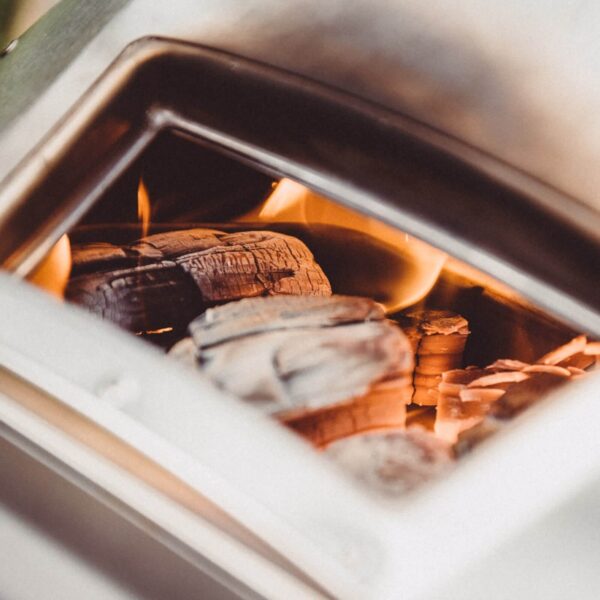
x,y
327,367
167,279
393,463
473,403
244,318
438,338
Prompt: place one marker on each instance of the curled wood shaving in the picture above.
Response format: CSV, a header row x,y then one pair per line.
x,y
481,394
508,364
575,346
498,378
592,349
552,369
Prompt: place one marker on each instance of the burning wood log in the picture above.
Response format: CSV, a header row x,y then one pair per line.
x,y
326,366
349,257
438,338
393,463
165,280
146,298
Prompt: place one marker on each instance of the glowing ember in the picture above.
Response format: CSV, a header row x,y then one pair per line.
x,y
155,331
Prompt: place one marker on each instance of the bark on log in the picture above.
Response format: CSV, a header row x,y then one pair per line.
x,y
194,269
328,367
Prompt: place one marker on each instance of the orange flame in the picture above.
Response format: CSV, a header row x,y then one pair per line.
x,y
144,208
52,274
293,203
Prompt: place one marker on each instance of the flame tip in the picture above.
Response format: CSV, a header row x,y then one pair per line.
x,y
144,208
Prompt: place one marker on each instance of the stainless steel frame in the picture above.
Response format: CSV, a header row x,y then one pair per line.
x,y
119,414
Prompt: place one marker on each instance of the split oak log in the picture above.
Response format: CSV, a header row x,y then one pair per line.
x,y
356,263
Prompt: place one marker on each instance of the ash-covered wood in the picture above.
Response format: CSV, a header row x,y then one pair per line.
x,y
165,280
393,463
326,366
438,338
247,317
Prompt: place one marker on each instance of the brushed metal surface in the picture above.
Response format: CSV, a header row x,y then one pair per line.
x,y
518,80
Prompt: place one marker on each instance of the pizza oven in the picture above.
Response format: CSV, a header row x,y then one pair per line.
x,y
295,323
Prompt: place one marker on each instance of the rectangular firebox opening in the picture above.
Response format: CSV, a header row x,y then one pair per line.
x,y
384,352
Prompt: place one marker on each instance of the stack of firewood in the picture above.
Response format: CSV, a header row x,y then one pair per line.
x,y
256,314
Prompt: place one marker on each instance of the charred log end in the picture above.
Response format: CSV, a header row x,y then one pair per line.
x,y
139,299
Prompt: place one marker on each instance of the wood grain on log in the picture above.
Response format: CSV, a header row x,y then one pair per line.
x,y
328,367
140,298
100,256
438,338
172,277
247,317
356,263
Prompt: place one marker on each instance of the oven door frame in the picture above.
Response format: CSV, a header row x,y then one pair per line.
x,y
517,477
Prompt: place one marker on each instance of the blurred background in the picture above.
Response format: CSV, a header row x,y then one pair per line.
x,y
16,16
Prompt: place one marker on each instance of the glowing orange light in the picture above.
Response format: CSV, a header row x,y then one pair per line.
x,y
155,331
293,203
52,274
143,207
